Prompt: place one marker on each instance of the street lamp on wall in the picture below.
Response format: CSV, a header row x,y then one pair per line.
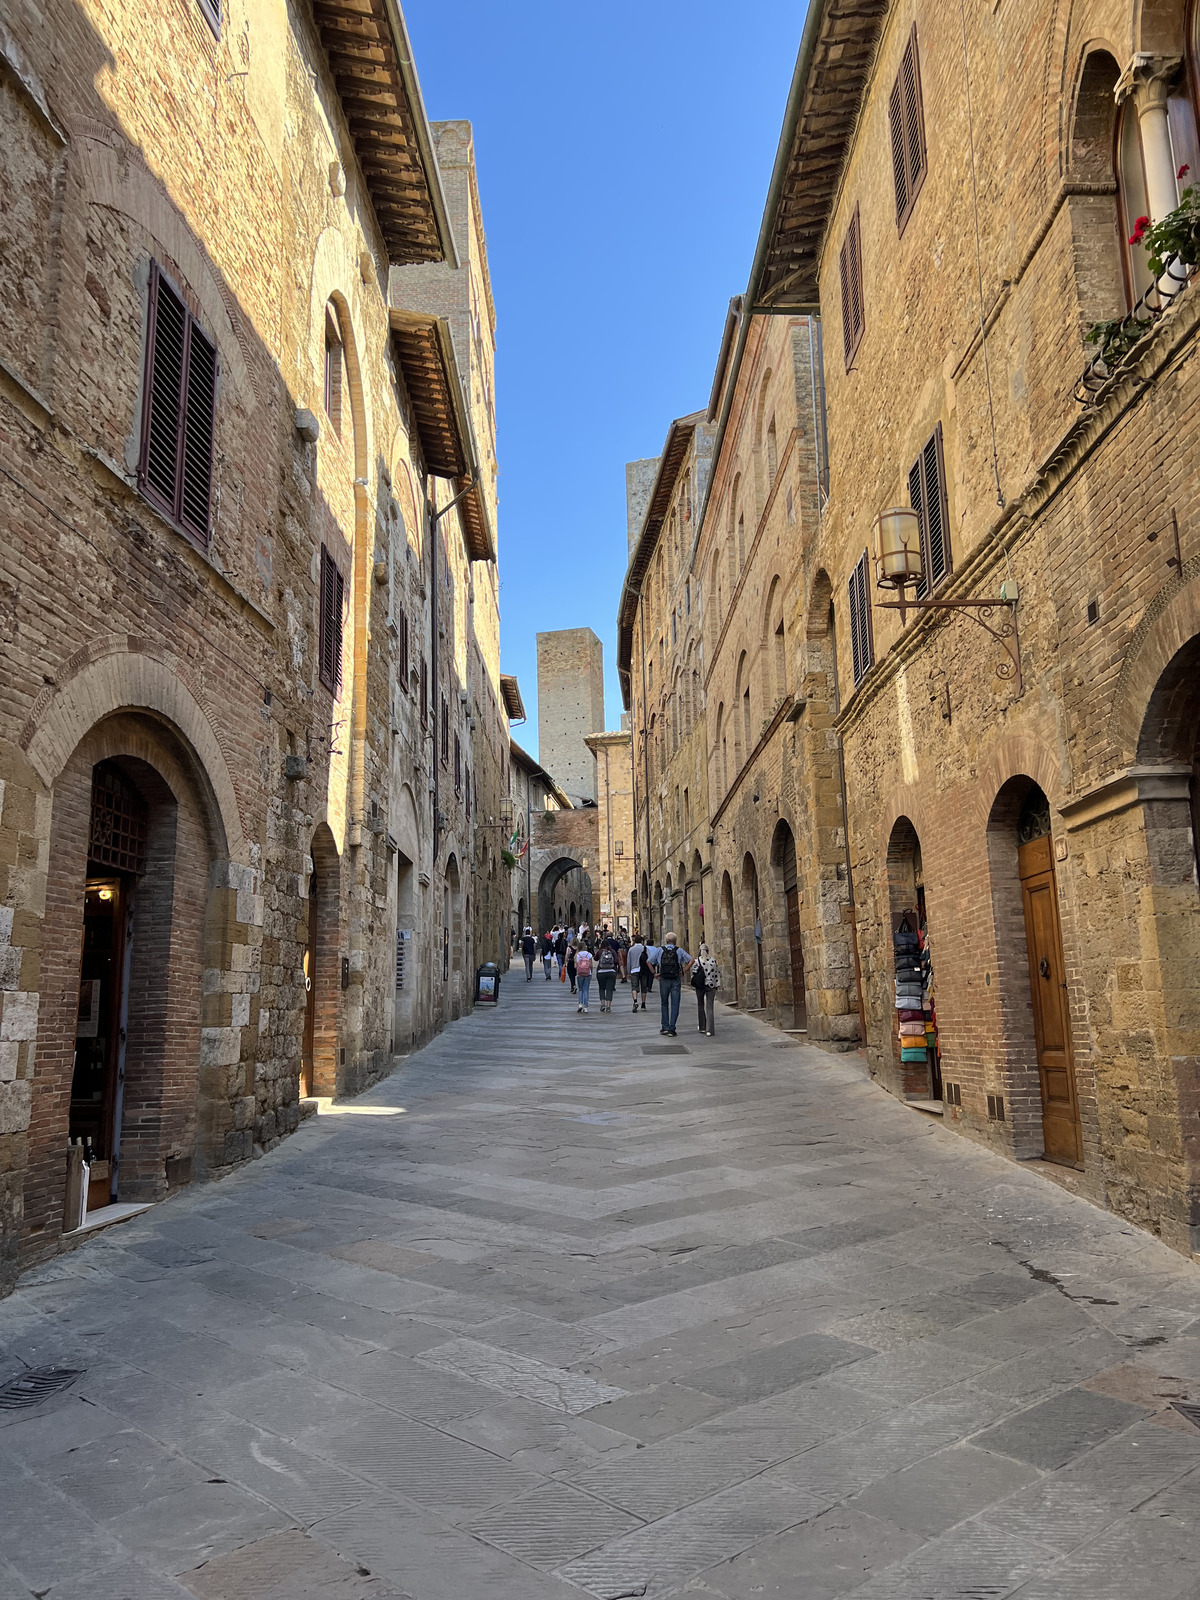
x,y
899,565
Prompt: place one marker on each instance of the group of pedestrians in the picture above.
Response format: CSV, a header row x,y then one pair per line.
x,y
583,953
671,965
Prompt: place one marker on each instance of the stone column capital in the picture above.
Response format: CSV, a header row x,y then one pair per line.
x,y
1149,78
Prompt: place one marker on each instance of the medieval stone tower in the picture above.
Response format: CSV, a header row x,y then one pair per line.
x,y
570,706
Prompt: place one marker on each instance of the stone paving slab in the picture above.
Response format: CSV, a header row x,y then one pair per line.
x,y
579,1320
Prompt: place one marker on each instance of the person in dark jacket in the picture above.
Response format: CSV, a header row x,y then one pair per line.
x,y
528,951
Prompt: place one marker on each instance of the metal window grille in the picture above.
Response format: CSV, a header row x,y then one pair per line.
x,y
117,835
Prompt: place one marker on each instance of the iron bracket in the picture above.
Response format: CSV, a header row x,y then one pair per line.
x,y
979,611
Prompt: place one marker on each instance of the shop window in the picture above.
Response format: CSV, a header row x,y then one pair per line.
x,y
329,647
850,271
927,496
862,647
175,466
906,116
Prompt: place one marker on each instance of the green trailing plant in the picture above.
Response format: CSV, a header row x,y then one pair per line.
x,y
509,860
1173,239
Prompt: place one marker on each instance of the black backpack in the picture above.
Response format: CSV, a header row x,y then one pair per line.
x,y
668,962
607,960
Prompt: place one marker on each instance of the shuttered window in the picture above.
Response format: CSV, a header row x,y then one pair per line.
x,y
212,13
333,371
179,412
862,648
457,765
907,120
445,733
402,643
333,595
927,496
424,693
853,313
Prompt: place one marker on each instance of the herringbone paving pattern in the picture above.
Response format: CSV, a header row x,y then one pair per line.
x,y
554,1312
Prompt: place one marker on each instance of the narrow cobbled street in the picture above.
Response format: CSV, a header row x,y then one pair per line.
x,y
564,1306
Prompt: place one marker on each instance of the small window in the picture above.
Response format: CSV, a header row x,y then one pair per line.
x,y
445,733
179,414
927,496
424,693
402,643
334,363
850,267
458,769
907,120
861,647
772,454
333,596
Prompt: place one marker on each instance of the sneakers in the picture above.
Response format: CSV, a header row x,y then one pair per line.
x,y
711,1034
579,1008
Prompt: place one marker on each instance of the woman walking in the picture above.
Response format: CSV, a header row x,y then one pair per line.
x,y
583,976
706,980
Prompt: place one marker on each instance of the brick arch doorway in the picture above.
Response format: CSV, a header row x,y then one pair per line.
x,y
548,884
320,1054
783,861
135,911
921,1074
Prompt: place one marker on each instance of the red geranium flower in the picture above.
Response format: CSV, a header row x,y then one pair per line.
x,y
1183,171
1139,230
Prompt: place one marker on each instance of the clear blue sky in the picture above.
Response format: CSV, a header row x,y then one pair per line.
x,y
624,152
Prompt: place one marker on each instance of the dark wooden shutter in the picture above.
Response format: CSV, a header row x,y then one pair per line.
x,y
212,13
861,646
907,119
457,765
402,638
445,733
850,272
424,693
927,496
175,469
329,648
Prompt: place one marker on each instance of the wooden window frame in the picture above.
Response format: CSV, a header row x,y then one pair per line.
x,y
190,454
445,732
906,122
926,487
854,313
330,626
402,639
458,765
862,643
424,693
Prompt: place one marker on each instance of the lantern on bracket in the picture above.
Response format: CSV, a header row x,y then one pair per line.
x,y
897,548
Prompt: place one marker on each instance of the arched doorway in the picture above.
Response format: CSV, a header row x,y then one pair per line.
x,y
320,1054
915,1040
452,941
754,909
783,859
730,927
561,894
1048,980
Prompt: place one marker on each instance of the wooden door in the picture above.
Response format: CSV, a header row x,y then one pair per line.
x,y
1048,989
310,992
799,998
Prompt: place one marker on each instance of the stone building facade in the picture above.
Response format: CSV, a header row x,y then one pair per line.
x,y
661,660
230,443
1021,801
549,874
614,867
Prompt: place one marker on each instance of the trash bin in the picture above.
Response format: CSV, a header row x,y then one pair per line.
x,y
487,983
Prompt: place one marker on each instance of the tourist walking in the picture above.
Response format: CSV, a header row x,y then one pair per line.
x,y
583,976
671,968
706,980
606,973
528,951
633,959
547,954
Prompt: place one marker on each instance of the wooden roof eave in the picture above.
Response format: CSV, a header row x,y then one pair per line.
x,y
425,352
367,48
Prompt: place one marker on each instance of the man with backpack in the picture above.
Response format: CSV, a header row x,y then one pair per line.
x,y
671,967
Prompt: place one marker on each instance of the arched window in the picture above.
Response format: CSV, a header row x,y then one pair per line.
x,y
1156,159
772,455
335,364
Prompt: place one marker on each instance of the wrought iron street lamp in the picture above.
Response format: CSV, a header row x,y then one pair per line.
x,y
899,565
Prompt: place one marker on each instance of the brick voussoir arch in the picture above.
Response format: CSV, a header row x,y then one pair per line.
x,y
126,681
1017,755
1171,621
